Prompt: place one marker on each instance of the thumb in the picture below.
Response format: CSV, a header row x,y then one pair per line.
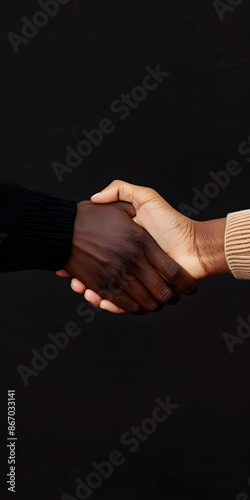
x,y
116,191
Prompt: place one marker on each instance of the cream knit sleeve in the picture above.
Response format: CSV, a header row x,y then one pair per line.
x,y
237,244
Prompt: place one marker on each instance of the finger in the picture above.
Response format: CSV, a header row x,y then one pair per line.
x,y
78,286
174,274
117,296
93,298
161,291
63,274
108,195
142,295
119,190
122,300
97,301
108,306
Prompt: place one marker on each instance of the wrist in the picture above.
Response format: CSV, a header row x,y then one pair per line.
x,y
210,246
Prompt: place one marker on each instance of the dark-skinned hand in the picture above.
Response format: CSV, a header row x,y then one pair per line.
x,y
119,260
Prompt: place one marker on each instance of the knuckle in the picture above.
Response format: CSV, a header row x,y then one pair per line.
x,y
133,308
125,276
109,284
127,304
130,255
150,305
154,306
137,239
165,294
149,195
174,271
150,191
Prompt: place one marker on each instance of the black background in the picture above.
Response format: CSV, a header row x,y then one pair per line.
x,y
108,378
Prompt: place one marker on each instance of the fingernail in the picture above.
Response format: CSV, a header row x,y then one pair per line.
x,y
94,195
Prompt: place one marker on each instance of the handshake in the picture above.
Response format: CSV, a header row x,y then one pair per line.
x,y
132,252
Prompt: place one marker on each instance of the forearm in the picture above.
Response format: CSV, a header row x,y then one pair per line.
x,y
36,229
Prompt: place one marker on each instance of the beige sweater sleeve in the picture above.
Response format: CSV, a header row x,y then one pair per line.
x,y
237,244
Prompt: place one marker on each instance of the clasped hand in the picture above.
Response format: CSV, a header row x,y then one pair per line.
x,y
120,264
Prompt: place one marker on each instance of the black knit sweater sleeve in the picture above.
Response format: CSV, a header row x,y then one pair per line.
x,y
36,229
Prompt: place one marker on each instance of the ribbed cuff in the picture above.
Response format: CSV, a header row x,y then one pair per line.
x,y
237,244
37,230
